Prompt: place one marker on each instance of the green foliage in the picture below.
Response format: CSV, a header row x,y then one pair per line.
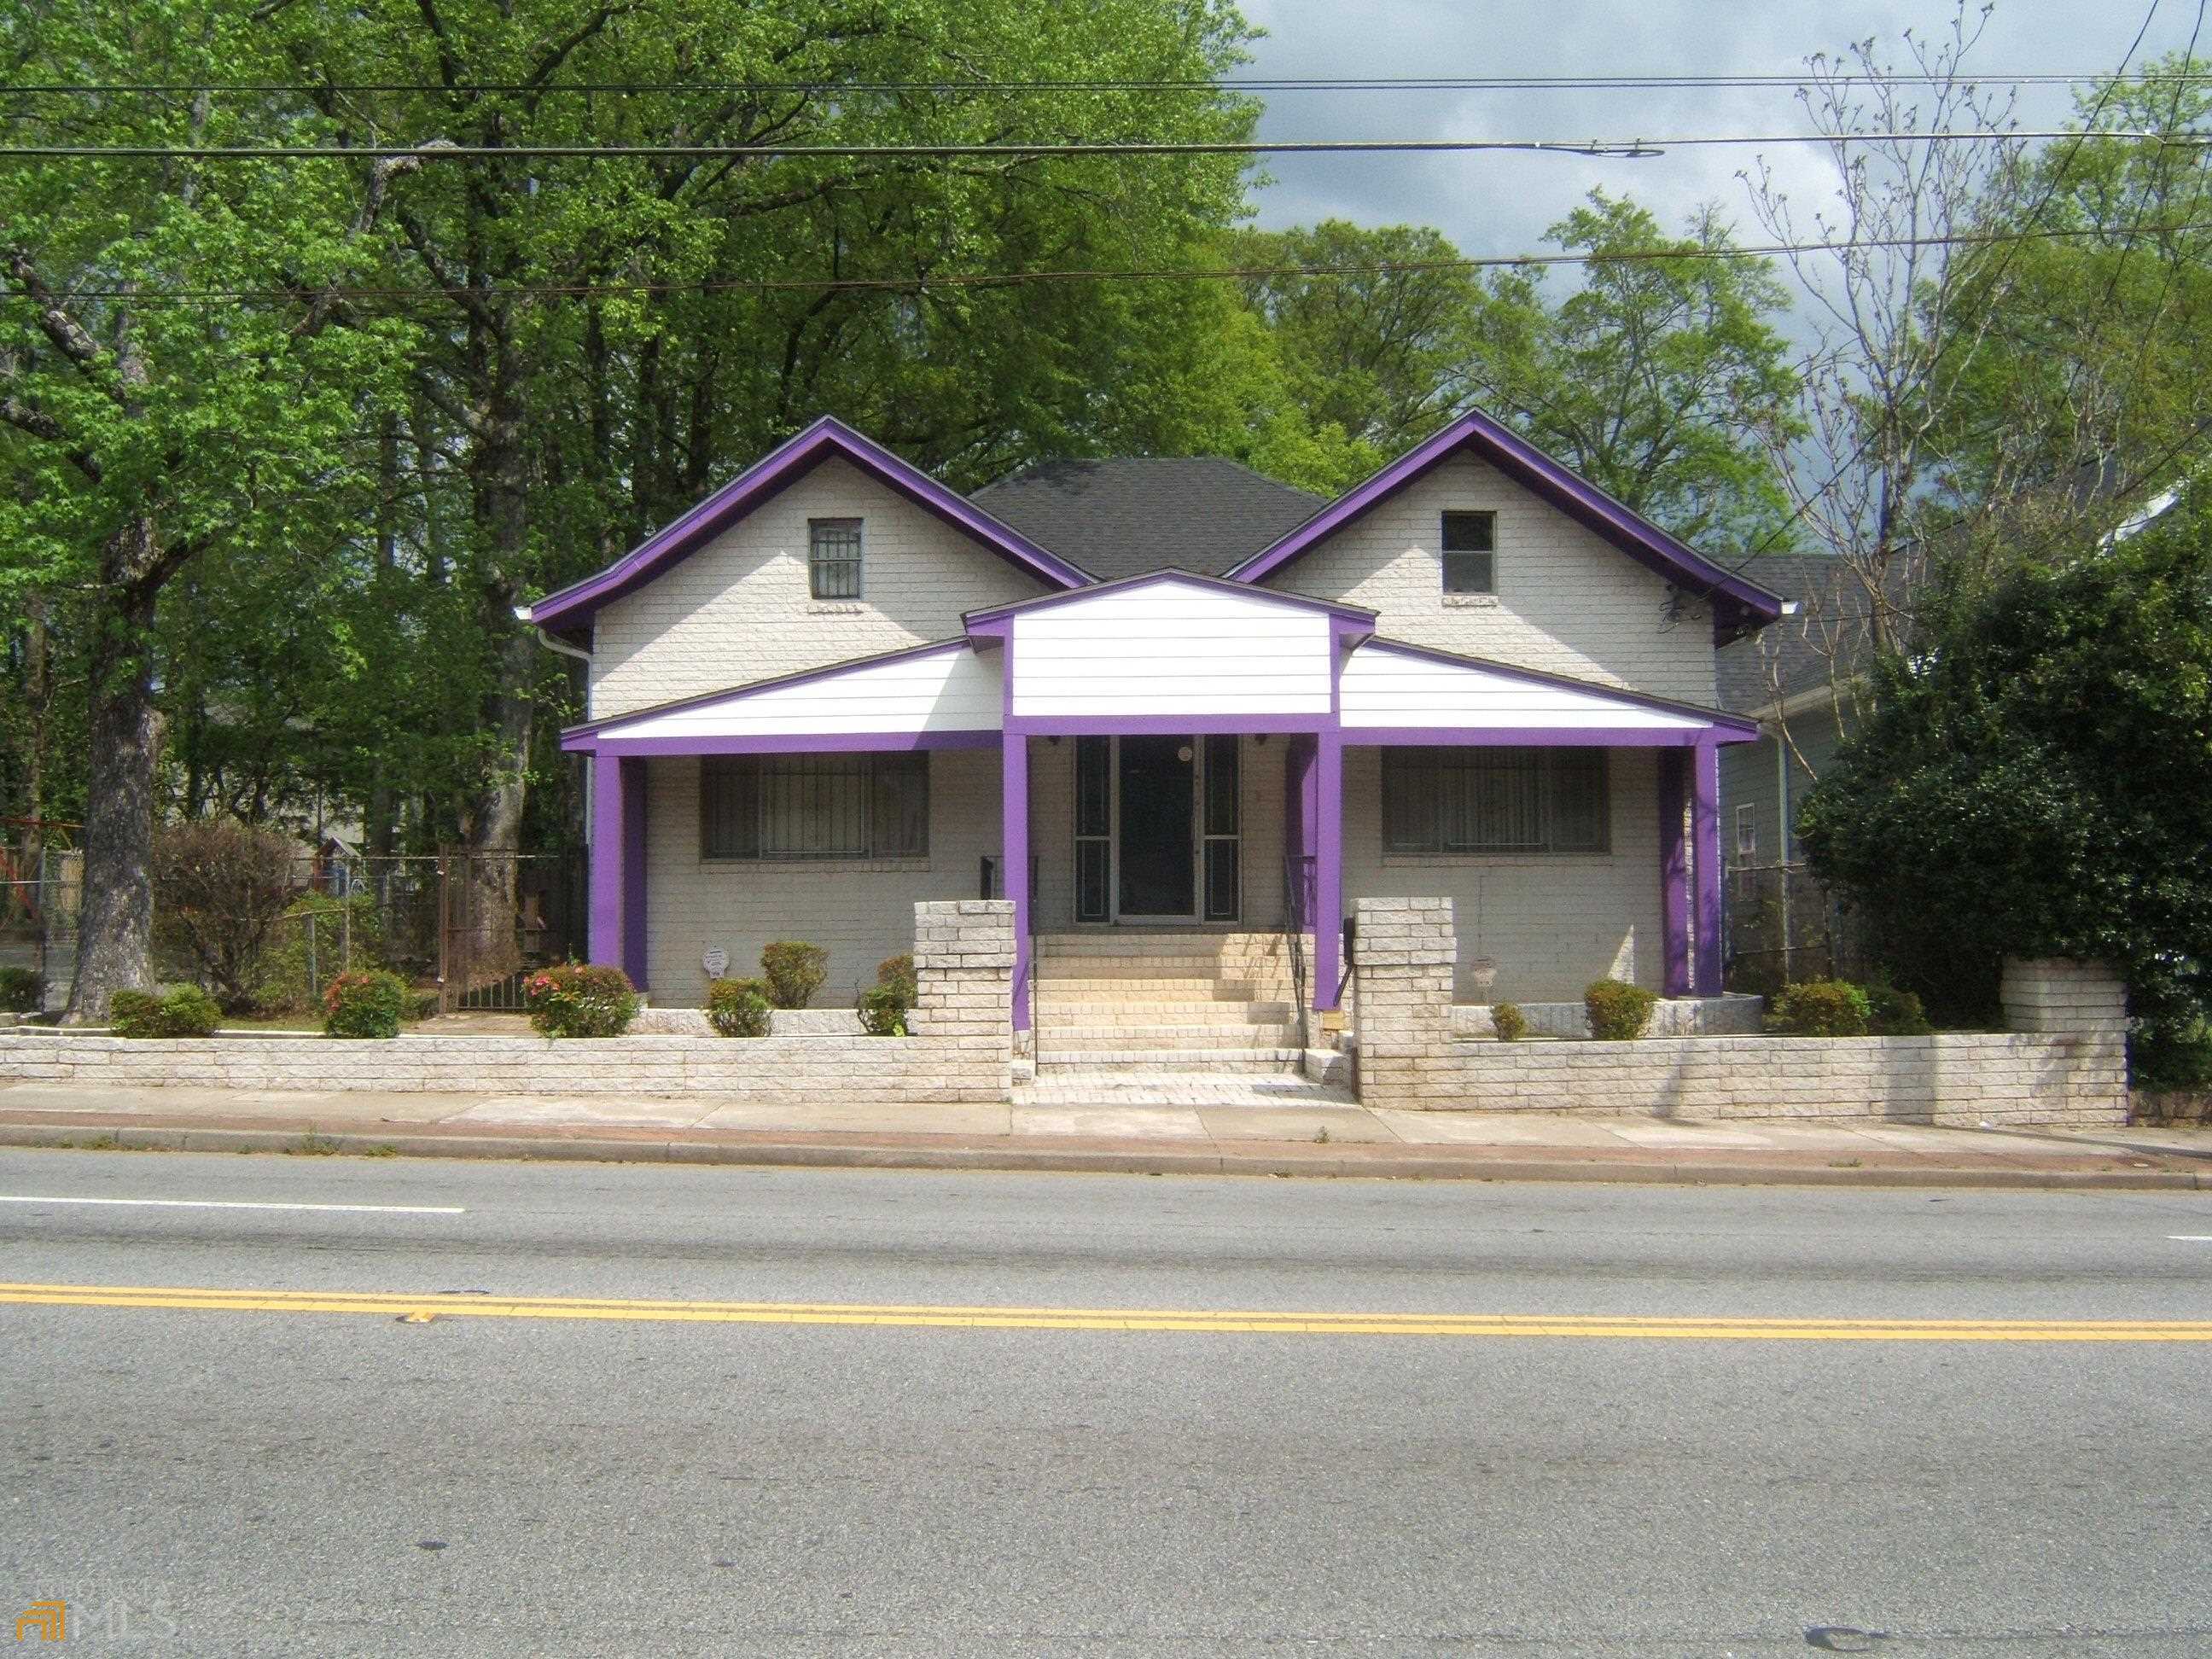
x,y
1820,1007
2175,1054
581,1001
1618,1011
2037,781
795,972
883,1011
739,1007
898,972
219,889
1508,1021
348,934
187,1011
370,1003
22,991
1894,1013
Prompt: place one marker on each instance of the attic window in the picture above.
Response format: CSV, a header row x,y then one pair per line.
x,y
833,558
1470,552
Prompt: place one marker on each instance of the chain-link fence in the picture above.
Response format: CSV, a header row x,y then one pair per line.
x,y
1782,926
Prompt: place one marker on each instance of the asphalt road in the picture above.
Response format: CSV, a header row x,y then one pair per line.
x,y
209,1481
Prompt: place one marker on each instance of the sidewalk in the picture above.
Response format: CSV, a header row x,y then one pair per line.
x,y
1303,1138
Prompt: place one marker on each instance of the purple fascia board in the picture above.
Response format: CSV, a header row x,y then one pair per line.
x,y
1719,720
780,743
1161,726
701,699
1523,737
990,618
783,466
1550,481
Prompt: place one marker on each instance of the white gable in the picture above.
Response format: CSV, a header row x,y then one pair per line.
x,y
1172,647
1388,687
949,689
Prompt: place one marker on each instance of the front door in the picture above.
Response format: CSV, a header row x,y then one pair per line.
x,y
1157,781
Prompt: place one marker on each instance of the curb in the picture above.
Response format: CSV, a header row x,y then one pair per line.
x,y
1280,1159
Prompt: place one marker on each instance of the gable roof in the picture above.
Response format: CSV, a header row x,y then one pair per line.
x,y
1130,515
826,438
1824,641
1738,604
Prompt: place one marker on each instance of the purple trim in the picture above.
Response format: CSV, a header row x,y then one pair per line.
x,y
774,472
779,742
1713,717
1674,870
991,614
1014,860
1548,480
1521,737
702,699
613,797
634,809
1705,822
1328,870
1166,725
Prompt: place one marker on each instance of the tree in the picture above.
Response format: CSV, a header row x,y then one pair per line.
x,y
2036,780
148,427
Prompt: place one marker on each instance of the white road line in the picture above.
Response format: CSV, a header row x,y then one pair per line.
x,y
231,1204
2191,1238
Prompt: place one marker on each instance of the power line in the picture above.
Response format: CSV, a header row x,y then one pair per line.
x,y
920,283
441,150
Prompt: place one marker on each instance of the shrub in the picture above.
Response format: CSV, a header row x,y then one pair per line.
x,y
1820,1007
22,991
1508,1021
898,971
349,937
187,1011
1892,1013
421,1006
795,972
581,1000
365,1005
2173,1056
738,1008
883,1011
1618,1011
219,889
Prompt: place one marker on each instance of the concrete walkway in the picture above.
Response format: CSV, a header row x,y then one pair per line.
x,y
1296,1137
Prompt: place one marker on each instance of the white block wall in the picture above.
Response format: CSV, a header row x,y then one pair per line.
x,y
859,911
1568,602
738,609
1547,925
1171,648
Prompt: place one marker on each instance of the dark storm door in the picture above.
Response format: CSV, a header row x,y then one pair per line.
x,y
1158,782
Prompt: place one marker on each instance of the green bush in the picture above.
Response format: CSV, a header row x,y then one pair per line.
x,y
1508,1021
883,1011
187,1011
738,1008
795,972
2173,1056
898,971
349,935
1618,1011
581,1000
1892,1013
1820,1007
365,1005
22,992
421,1005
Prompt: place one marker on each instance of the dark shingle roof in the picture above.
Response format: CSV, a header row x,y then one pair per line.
x,y
1826,635
1126,516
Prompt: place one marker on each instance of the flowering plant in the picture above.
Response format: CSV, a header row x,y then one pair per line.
x,y
581,1000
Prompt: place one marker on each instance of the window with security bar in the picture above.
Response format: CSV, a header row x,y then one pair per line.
x,y
1477,800
774,808
833,558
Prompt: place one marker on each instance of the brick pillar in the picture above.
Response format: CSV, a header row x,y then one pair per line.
x,y
963,970
1402,954
2065,997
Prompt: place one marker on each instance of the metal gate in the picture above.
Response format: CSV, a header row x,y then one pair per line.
x,y
500,915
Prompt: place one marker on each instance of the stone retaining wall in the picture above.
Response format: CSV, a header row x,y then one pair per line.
x,y
961,1049
2073,1070
1722,1016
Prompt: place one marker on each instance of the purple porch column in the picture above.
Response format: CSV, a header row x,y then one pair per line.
x,y
1675,868
1014,859
1705,820
1327,844
618,862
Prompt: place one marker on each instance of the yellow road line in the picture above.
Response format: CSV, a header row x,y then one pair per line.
x,y
394,1304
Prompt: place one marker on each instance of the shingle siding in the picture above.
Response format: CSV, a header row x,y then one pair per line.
x,y
738,610
1567,603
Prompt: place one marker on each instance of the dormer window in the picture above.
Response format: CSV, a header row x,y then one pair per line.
x,y
833,558
1470,544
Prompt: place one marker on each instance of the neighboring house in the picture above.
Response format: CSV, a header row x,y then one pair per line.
x,y
1180,697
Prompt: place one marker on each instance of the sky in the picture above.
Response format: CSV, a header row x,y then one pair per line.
x,y
1501,204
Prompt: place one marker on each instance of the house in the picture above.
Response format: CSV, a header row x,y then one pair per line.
x,y
1167,707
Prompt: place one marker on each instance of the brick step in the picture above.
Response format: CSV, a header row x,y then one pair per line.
x,y
1161,961
1139,942
1175,988
1060,1013
1232,1090
1072,1040
1110,1062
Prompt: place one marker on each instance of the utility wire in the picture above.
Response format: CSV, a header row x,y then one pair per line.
x,y
922,283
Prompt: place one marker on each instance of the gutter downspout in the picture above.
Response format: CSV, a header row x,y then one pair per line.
x,y
1782,840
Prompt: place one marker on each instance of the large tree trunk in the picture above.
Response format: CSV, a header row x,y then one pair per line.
x,y
115,925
